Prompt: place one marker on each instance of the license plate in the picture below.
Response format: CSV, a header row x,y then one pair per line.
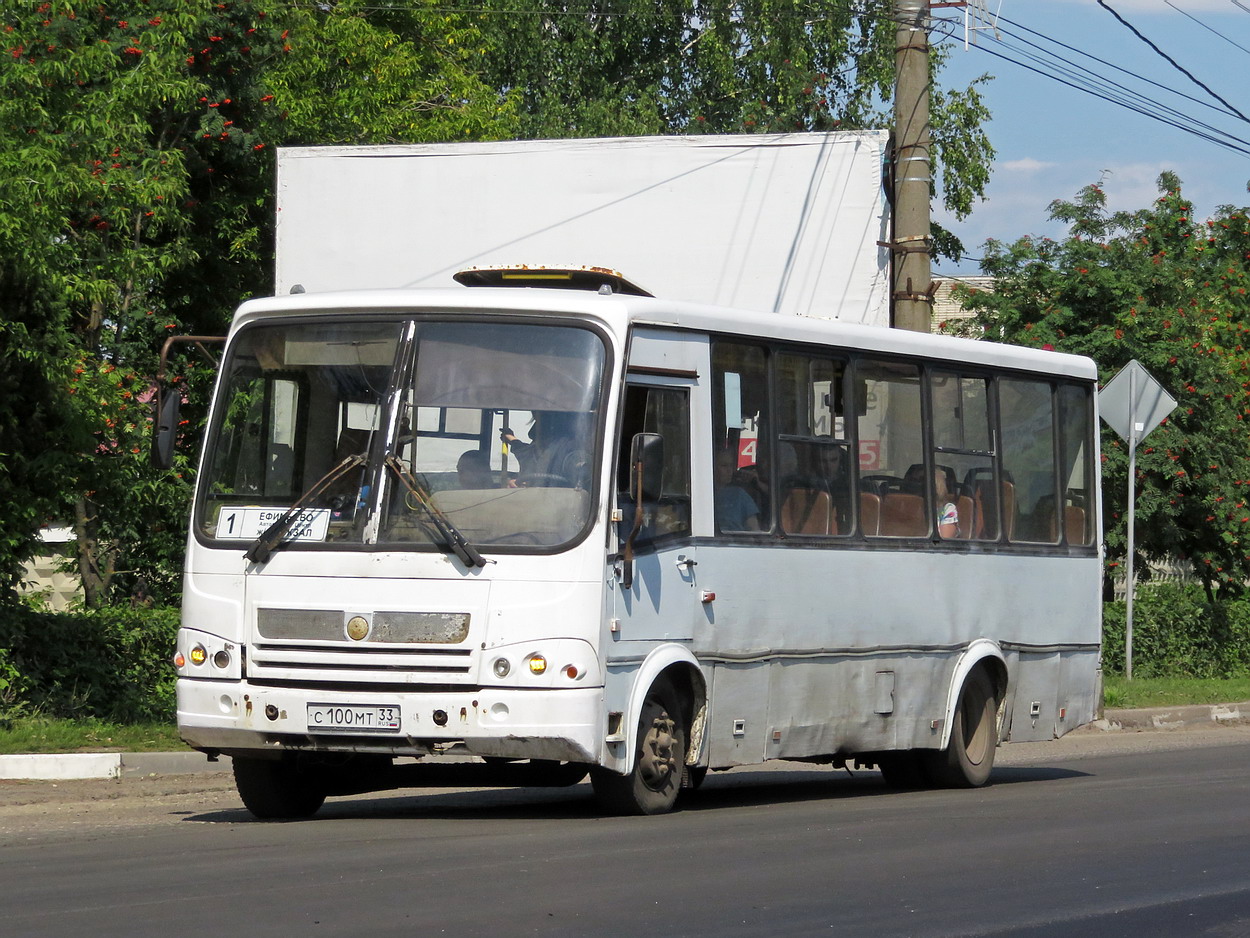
x,y
352,718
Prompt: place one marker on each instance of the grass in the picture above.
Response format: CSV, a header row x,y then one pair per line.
x,y
1172,691
47,734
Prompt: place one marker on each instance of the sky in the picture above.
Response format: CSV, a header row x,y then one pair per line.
x,y
1052,140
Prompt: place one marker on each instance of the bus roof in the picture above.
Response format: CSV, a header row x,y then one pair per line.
x,y
618,311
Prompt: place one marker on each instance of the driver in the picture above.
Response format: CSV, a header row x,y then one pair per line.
x,y
553,456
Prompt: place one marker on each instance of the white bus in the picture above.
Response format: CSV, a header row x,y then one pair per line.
x,y
515,536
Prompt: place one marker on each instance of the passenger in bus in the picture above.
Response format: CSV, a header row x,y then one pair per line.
x,y
554,455
735,509
944,498
473,470
831,468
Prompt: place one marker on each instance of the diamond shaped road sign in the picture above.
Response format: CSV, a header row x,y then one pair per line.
x,y
1134,401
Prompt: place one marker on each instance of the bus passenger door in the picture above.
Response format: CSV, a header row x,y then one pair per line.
x,y
663,597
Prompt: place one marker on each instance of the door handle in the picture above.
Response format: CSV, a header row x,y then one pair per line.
x,y
684,561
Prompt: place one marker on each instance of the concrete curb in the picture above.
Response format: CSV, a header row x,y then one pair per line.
x,y
84,765
1173,718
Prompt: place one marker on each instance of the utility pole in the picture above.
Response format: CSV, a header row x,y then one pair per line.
x,y
912,299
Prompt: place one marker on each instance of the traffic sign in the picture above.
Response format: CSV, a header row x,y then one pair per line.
x,y
1134,401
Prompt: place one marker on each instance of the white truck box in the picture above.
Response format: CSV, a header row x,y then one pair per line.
x,y
788,223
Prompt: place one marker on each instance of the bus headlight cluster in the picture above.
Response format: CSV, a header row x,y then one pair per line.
x,y
555,664
203,655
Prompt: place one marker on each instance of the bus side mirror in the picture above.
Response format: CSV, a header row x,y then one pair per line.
x,y
646,462
168,404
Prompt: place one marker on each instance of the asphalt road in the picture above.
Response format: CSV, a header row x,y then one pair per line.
x,y
1121,834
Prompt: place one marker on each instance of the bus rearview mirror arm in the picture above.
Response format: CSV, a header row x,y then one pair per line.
x,y
646,477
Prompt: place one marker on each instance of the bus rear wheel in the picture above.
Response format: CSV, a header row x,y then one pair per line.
x,y
966,762
652,785
277,789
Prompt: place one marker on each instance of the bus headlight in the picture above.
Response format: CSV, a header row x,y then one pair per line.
x,y
203,656
501,667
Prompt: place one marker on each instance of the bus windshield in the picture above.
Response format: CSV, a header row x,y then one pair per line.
x,y
414,434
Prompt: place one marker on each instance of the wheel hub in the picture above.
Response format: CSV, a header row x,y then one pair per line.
x,y
657,762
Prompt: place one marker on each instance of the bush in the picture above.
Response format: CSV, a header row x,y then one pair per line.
x,y
1177,633
108,664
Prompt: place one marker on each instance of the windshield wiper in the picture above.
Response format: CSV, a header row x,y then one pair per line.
x,y
273,535
451,536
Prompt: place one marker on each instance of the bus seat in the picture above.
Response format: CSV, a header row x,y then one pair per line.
x,y
985,512
877,484
903,515
807,511
1074,524
967,516
869,513
1009,508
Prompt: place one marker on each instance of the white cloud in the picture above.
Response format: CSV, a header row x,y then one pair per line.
x,y
1026,165
1131,186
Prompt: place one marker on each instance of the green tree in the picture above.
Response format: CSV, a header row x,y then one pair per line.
x,y
618,68
1158,286
136,149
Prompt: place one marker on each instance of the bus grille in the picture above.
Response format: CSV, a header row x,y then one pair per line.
x,y
312,647
401,628
321,665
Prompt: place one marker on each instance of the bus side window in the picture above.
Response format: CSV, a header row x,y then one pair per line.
x,y
890,443
1076,467
813,455
1030,486
963,452
742,458
665,411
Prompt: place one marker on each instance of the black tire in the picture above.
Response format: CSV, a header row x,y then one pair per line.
x,y
904,769
652,785
277,789
967,761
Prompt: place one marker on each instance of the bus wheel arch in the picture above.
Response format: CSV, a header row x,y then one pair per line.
x,y
665,720
974,727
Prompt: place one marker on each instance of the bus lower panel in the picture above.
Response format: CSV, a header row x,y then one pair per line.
x,y
504,723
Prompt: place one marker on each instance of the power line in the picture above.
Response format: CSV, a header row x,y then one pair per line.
x,y
1206,26
1175,64
1057,67
1105,87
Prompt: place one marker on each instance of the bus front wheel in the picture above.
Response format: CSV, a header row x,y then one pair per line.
x,y
966,762
652,785
277,789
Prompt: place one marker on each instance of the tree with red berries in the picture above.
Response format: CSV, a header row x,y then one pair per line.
x,y
1162,287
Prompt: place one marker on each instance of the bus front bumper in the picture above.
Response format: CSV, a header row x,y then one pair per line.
x,y
513,723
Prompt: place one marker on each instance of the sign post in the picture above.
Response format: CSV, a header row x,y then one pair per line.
x,y
1133,403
